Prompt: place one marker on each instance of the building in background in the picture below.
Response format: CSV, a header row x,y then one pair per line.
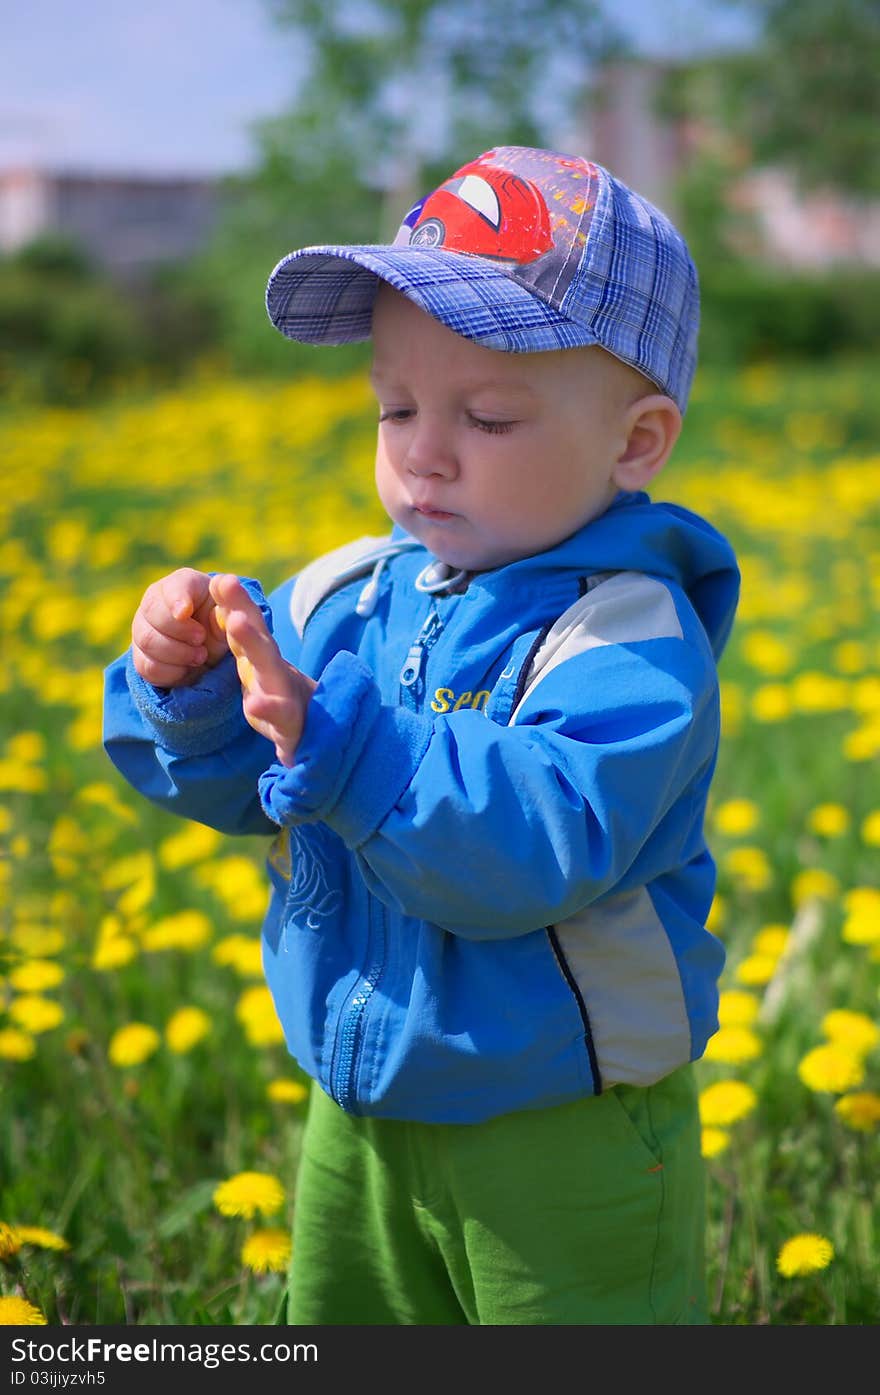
x,y
125,224
625,130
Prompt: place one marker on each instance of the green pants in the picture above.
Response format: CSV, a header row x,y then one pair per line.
x,y
591,1212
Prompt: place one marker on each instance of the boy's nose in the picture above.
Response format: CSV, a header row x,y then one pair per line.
x,y
430,453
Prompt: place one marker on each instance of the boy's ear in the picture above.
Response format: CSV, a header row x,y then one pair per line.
x,y
652,427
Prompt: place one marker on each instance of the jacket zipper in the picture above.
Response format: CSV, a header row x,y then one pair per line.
x,y
412,687
412,681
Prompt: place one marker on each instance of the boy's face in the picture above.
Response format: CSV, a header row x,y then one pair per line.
x,y
486,457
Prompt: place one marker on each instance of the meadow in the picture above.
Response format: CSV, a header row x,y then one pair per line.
x,y
151,1116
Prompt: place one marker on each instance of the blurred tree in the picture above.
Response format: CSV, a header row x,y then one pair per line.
x,y
808,95
400,92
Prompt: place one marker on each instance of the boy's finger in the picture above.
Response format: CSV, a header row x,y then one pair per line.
x,y
258,656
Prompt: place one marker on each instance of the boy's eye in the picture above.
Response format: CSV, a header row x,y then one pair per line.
x,y
493,427
396,414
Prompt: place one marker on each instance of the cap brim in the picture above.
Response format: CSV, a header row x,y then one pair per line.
x,y
325,295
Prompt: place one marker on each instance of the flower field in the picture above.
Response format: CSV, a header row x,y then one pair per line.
x,y
151,1116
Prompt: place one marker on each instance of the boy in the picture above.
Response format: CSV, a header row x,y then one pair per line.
x,y
494,733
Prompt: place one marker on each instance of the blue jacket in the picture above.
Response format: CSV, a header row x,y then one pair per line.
x,y
489,878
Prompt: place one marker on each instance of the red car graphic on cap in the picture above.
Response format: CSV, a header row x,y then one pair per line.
x,y
486,210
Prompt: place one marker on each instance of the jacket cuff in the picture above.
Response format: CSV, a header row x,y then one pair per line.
x,y
354,760
203,717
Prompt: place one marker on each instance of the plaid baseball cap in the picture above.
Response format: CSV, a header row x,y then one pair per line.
x,y
521,250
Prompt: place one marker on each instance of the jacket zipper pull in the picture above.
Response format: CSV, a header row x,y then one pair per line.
x,y
414,663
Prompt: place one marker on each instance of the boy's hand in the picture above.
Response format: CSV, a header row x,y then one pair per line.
x,y
275,695
175,637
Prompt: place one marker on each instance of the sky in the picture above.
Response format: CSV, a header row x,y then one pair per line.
x,y
174,86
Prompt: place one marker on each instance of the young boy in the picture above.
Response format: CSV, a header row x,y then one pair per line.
x,y
494,733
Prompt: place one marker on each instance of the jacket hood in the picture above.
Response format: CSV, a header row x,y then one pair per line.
x,y
661,539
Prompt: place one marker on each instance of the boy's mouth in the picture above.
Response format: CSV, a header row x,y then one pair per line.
x,y
436,515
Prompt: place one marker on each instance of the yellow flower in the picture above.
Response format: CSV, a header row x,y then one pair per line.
x,y
854,1030
736,1008
255,1010
736,816
113,951
771,940
771,703
733,1046
242,952
287,1091
37,940
36,975
829,820
133,1044
10,1244
267,1251
247,1193
192,844
16,1045
870,829
804,1254
37,1235
714,1141
726,1102
831,1069
756,969
35,1014
27,747
185,930
717,911
17,1312
764,651
186,1028
860,1110
814,883
748,866
861,925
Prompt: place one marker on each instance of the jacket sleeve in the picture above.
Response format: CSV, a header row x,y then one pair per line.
x,y
490,830
190,749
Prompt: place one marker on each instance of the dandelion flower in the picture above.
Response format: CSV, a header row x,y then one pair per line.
x,y
736,816
247,1193
771,702
287,1091
854,1030
16,1045
133,1044
749,867
831,1069
267,1251
814,883
860,1110
714,1141
829,820
771,940
861,924
17,1312
243,953
733,1046
192,844
255,1010
38,1235
804,1254
717,912
726,1102
756,969
870,829
186,1028
736,1008
184,930
35,1014
10,1244
36,975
